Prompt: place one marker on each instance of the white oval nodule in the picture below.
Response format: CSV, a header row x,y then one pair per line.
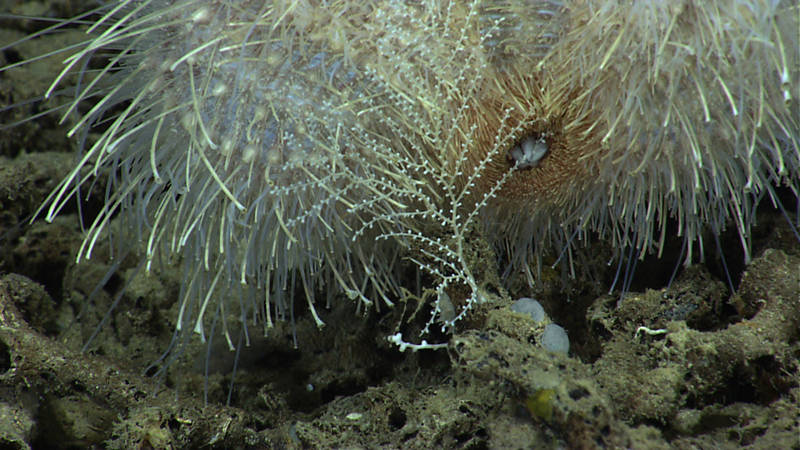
x,y
528,153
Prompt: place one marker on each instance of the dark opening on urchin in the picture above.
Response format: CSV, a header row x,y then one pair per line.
x,y
527,152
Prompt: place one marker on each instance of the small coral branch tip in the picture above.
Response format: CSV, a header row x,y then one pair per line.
x,y
397,339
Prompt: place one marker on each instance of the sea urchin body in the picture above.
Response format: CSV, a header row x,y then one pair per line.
x,y
263,141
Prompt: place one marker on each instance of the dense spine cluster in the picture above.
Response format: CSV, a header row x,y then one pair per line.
x,y
298,143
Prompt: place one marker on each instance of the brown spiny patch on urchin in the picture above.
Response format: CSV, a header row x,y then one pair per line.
x,y
535,107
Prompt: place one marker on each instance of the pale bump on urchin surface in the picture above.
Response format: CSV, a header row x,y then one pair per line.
x,y
269,145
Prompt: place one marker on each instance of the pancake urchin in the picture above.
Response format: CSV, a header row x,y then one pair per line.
x,y
263,141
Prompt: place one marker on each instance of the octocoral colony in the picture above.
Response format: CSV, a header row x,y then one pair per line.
x,y
269,143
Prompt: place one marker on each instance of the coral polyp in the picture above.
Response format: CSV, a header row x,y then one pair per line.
x,y
315,143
